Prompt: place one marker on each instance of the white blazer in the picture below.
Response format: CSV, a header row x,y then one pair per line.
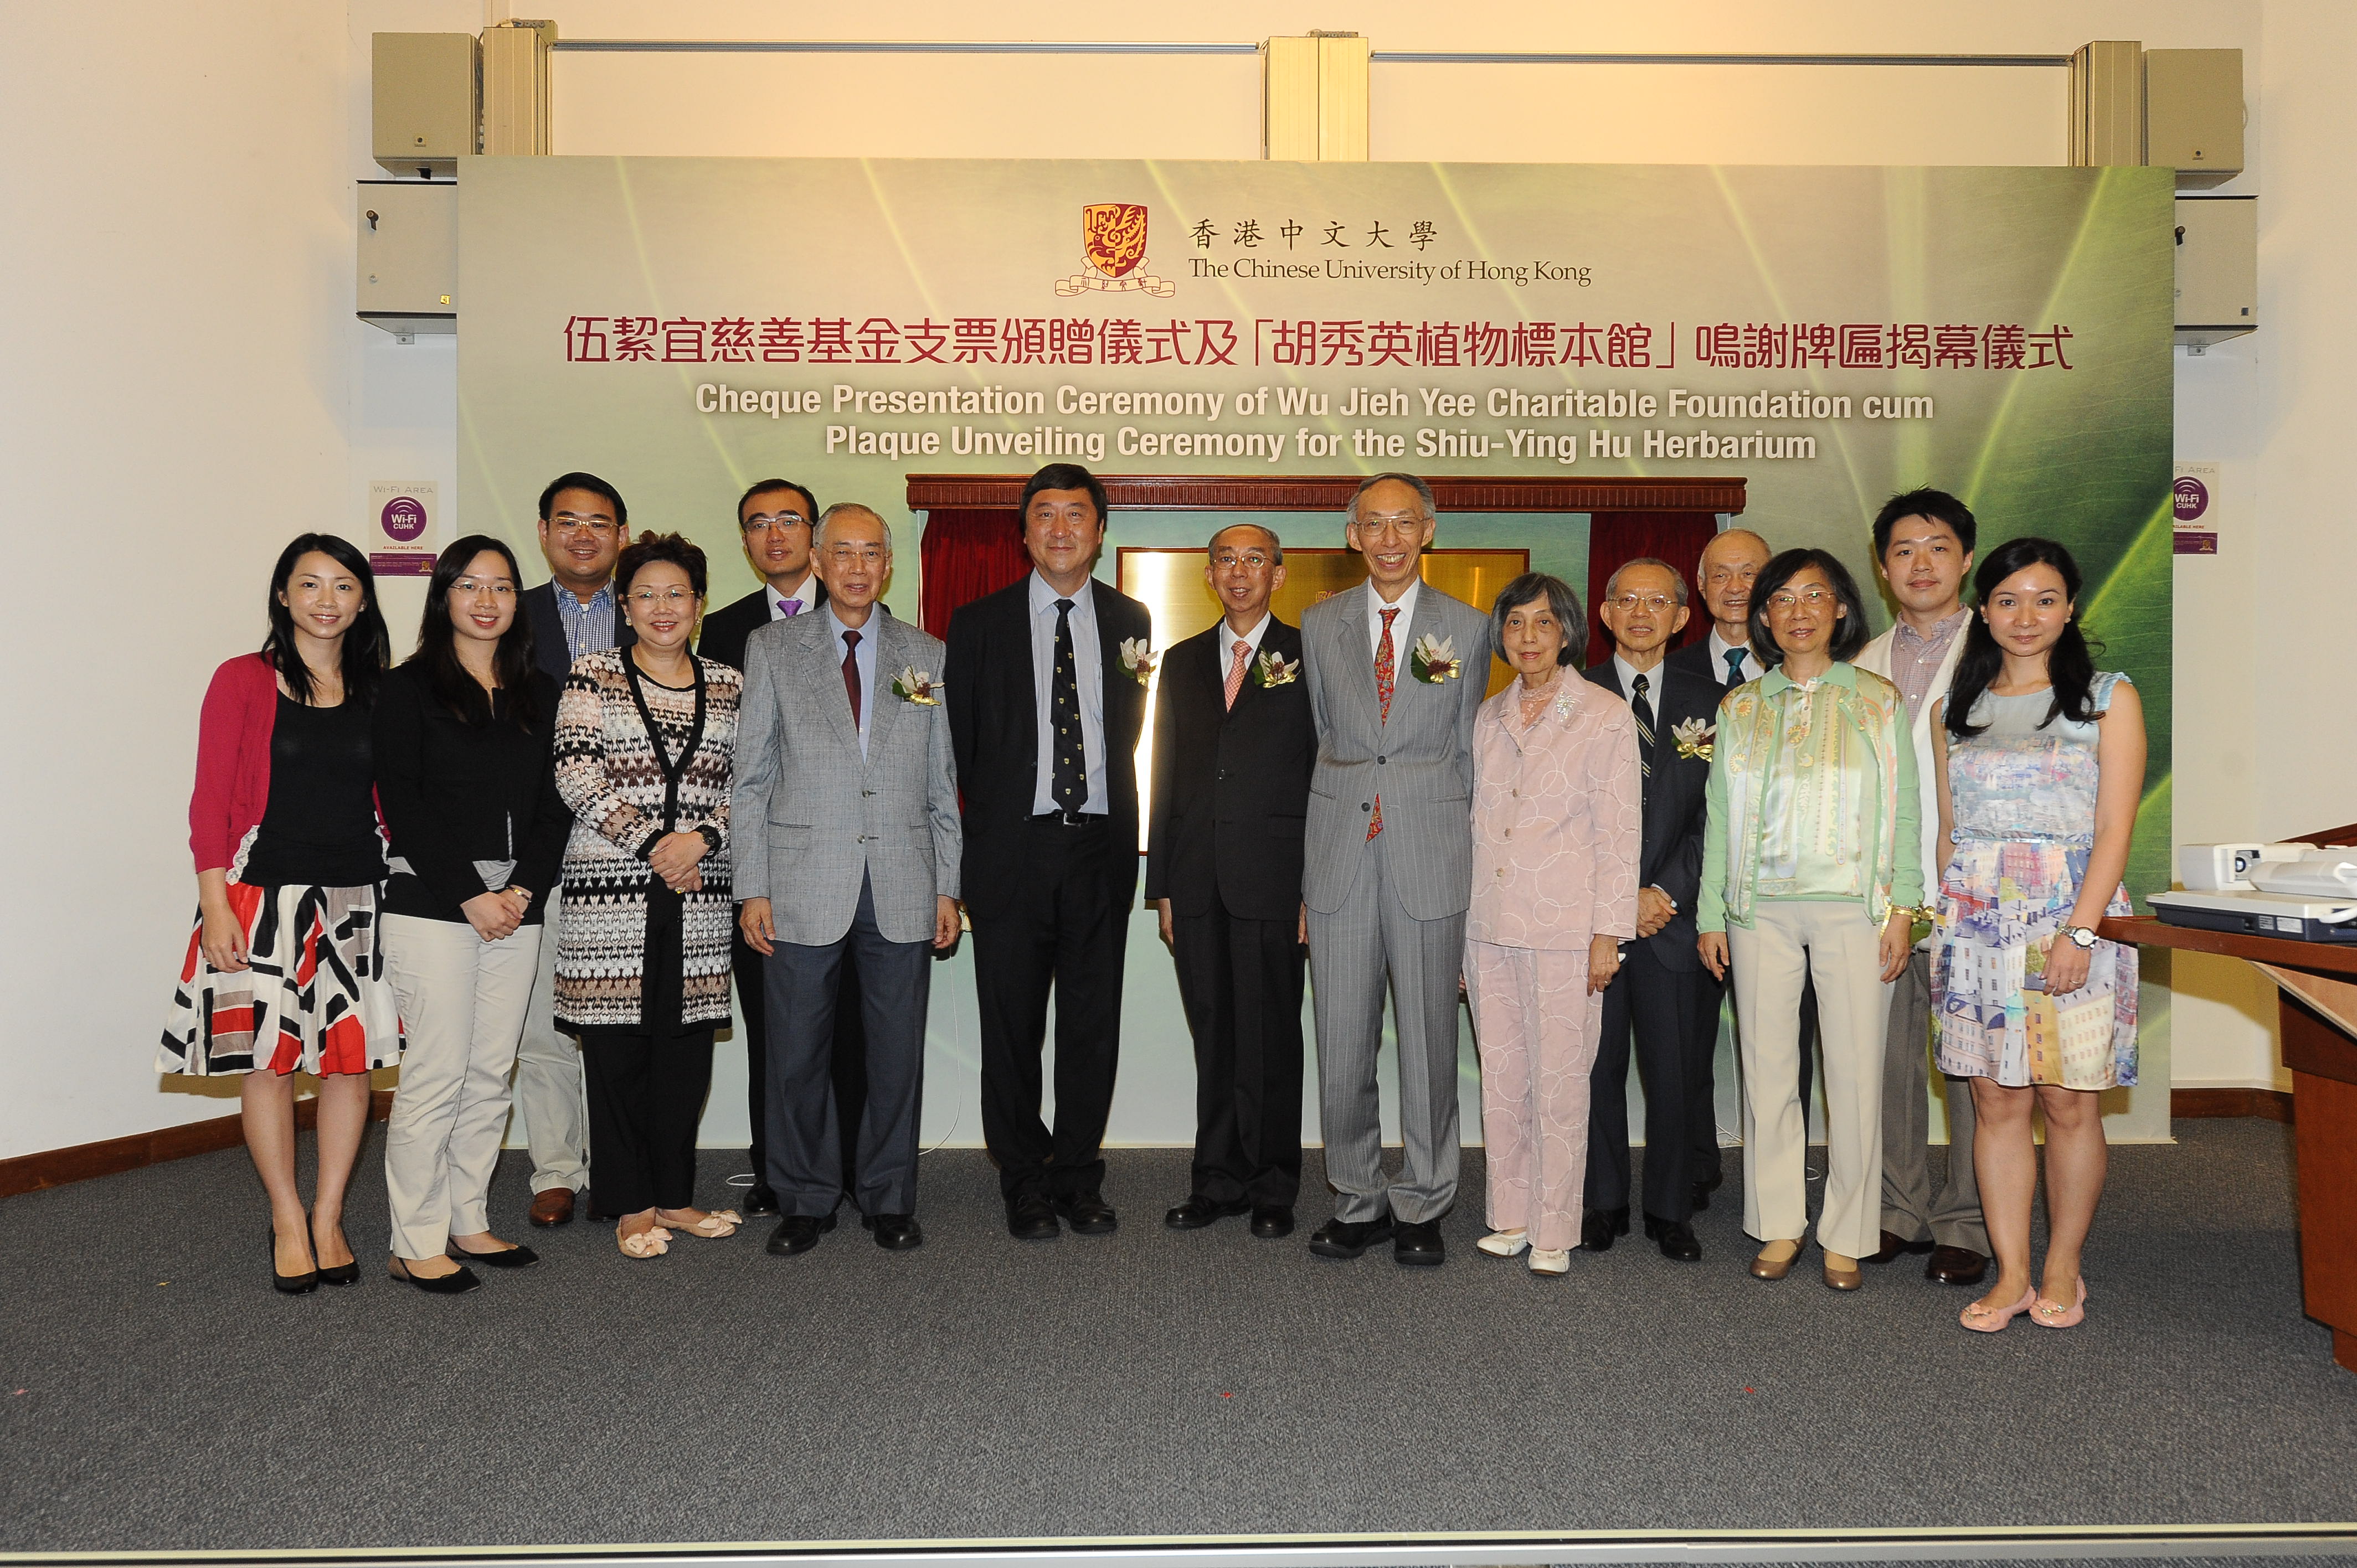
x,y
1876,657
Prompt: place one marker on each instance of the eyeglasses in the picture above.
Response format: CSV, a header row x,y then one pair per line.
x,y
1396,523
1228,560
863,554
498,586
602,527
1630,604
1816,598
647,599
1719,574
764,520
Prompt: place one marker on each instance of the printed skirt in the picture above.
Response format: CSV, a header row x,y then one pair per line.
x,y
1991,1014
312,998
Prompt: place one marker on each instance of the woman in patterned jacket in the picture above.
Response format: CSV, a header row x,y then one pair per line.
x,y
645,743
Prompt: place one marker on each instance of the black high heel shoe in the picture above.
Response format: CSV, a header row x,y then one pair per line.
x,y
516,1257
458,1283
291,1285
342,1274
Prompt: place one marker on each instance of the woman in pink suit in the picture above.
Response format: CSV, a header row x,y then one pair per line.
x,y
1557,820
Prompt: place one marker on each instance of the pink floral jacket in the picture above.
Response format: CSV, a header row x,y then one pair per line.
x,y
1558,819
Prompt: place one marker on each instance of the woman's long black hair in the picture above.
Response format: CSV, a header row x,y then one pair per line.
x,y
367,646
2070,663
438,652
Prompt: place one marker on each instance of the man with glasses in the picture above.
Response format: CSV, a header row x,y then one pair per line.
x,y
844,799
583,527
1233,746
774,520
1396,671
1663,993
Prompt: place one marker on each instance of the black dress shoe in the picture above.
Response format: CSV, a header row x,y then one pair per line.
x,y
1599,1225
513,1258
1417,1241
1198,1211
1031,1218
1676,1238
290,1284
895,1232
344,1273
1271,1220
1088,1214
1347,1238
1955,1266
1699,1200
1894,1244
760,1198
459,1282
797,1234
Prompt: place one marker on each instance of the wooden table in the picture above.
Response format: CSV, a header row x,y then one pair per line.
x,y
2318,1005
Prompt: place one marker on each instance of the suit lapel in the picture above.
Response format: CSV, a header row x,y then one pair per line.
x,y
1350,634
823,672
889,656
1020,683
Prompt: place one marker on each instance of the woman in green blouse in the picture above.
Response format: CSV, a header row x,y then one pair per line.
x,y
1811,867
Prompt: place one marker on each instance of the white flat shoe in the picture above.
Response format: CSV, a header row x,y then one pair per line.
x,y
1546,1261
1505,1243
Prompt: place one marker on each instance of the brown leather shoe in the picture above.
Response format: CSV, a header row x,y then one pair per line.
x,y
1893,1244
1955,1266
1774,1263
1842,1273
554,1206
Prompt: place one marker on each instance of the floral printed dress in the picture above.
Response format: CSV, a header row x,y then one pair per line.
x,y
2024,797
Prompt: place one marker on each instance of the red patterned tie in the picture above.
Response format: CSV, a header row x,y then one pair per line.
x,y
1386,673
1236,669
851,673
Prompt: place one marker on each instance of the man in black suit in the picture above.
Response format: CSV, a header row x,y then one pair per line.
x,y
774,519
583,527
1046,693
1235,744
1663,993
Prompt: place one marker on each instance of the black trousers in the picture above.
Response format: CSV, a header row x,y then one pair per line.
x,y
646,1096
847,1068
1060,929
806,1149
1673,1016
1240,983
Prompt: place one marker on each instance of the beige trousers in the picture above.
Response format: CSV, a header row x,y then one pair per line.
x,y
549,1090
1836,944
462,1009
1537,1027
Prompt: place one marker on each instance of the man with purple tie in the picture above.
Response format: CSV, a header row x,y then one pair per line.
x,y
774,519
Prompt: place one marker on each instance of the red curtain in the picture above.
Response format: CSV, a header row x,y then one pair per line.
x,y
1616,538
965,555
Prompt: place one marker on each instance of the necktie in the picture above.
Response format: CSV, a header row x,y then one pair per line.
x,y
1386,673
1644,711
1070,778
1236,669
790,607
851,673
1734,666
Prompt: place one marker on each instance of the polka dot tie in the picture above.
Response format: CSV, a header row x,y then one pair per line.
x,y
1069,778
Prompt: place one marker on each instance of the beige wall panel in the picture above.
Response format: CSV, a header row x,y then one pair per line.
x,y
1720,114
905,106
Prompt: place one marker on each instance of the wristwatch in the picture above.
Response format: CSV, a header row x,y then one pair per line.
x,y
2081,936
710,835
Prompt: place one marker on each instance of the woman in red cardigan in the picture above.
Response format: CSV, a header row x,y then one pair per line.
x,y
285,972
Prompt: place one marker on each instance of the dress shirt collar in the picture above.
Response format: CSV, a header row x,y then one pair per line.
x,y
1720,648
1943,634
1842,675
1044,598
1629,674
1227,639
802,595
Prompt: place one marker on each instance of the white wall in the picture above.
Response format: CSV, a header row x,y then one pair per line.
x,y
185,374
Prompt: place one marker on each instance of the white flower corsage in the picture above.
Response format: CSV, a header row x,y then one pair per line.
x,y
918,686
1434,659
1138,658
1271,670
1692,736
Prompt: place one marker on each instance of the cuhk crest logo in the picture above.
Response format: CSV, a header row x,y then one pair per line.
x,y
1113,242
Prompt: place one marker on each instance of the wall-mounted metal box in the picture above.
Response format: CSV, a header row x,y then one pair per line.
x,y
425,98
2193,114
2217,268
408,250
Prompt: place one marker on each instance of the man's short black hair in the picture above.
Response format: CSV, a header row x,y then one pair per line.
x,y
1063,477
593,485
1937,505
763,486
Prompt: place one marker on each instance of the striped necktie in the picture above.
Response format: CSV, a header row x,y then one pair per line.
x,y
1644,711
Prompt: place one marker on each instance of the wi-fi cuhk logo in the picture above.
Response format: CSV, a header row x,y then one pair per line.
x,y
2190,497
1113,242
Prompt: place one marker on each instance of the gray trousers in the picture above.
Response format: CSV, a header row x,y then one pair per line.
x,y
1909,1209
803,1143
548,1087
1353,951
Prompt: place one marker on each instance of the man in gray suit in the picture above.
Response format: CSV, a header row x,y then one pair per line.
x,y
1396,671
846,836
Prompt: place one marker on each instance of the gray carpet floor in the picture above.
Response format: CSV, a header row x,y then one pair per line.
x,y
155,1394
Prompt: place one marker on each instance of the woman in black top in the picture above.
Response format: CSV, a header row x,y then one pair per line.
x,y
462,736
283,972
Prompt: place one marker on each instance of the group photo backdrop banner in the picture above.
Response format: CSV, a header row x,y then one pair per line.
x,y
1828,335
